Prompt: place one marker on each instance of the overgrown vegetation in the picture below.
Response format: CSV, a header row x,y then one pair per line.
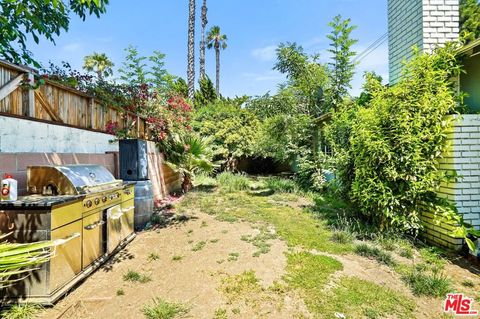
x,y
26,311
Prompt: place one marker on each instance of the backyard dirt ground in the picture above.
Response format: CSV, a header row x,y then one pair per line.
x,y
191,263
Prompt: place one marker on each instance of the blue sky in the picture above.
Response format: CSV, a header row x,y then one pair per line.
x,y
254,29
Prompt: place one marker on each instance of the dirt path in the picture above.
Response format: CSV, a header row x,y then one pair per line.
x,y
193,280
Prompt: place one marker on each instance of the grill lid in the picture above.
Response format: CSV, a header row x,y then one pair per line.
x,y
69,179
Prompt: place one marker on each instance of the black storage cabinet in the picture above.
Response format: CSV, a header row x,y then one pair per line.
x,y
133,160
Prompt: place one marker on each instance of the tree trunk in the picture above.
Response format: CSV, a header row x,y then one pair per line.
x,y
202,43
191,50
217,56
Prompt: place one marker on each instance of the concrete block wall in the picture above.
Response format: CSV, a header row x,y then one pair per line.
x,y
463,157
422,23
25,136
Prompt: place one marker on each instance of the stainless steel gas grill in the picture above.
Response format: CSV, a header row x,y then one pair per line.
x,y
86,208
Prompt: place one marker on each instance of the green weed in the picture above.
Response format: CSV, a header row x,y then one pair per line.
x,y
341,237
134,276
381,256
233,256
120,292
153,256
356,298
425,283
161,309
281,185
177,258
199,246
220,314
468,283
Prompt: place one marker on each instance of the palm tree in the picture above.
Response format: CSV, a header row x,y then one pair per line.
x,y
202,42
191,50
217,40
98,63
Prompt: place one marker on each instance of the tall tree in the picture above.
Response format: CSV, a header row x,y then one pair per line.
x,y
218,41
46,18
161,80
191,50
342,67
202,42
98,63
133,70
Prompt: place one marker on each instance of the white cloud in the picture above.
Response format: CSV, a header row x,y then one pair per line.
x,y
265,54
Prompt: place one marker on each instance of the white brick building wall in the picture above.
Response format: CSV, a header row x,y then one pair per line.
x,y
422,23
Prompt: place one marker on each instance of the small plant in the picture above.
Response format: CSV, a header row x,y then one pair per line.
x,y
190,241
224,231
233,256
381,256
236,311
260,241
406,252
190,231
177,258
341,237
281,185
204,224
199,246
161,309
153,256
230,182
134,276
220,314
423,283
26,311
215,240
468,283
220,261
120,292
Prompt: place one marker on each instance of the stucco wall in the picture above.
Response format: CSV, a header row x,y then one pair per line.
x,y
25,136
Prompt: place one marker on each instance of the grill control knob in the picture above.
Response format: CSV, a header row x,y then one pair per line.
x,y
104,199
88,203
97,201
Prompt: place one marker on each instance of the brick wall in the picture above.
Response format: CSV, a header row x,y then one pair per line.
x,y
404,31
16,163
440,22
424,23
463,157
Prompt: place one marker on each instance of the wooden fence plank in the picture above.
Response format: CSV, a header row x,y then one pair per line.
x,y
47,107
10,86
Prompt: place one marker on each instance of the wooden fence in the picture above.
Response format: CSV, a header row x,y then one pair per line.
x,y
59,104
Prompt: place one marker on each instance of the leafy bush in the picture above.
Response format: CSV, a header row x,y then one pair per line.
x,y
26,311
230,182
391,145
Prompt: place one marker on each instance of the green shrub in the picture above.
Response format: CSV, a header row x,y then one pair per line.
x,y
230,182
134,276
342,237
393,142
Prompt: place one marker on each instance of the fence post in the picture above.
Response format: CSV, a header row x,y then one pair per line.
x,y
91,105
31,94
